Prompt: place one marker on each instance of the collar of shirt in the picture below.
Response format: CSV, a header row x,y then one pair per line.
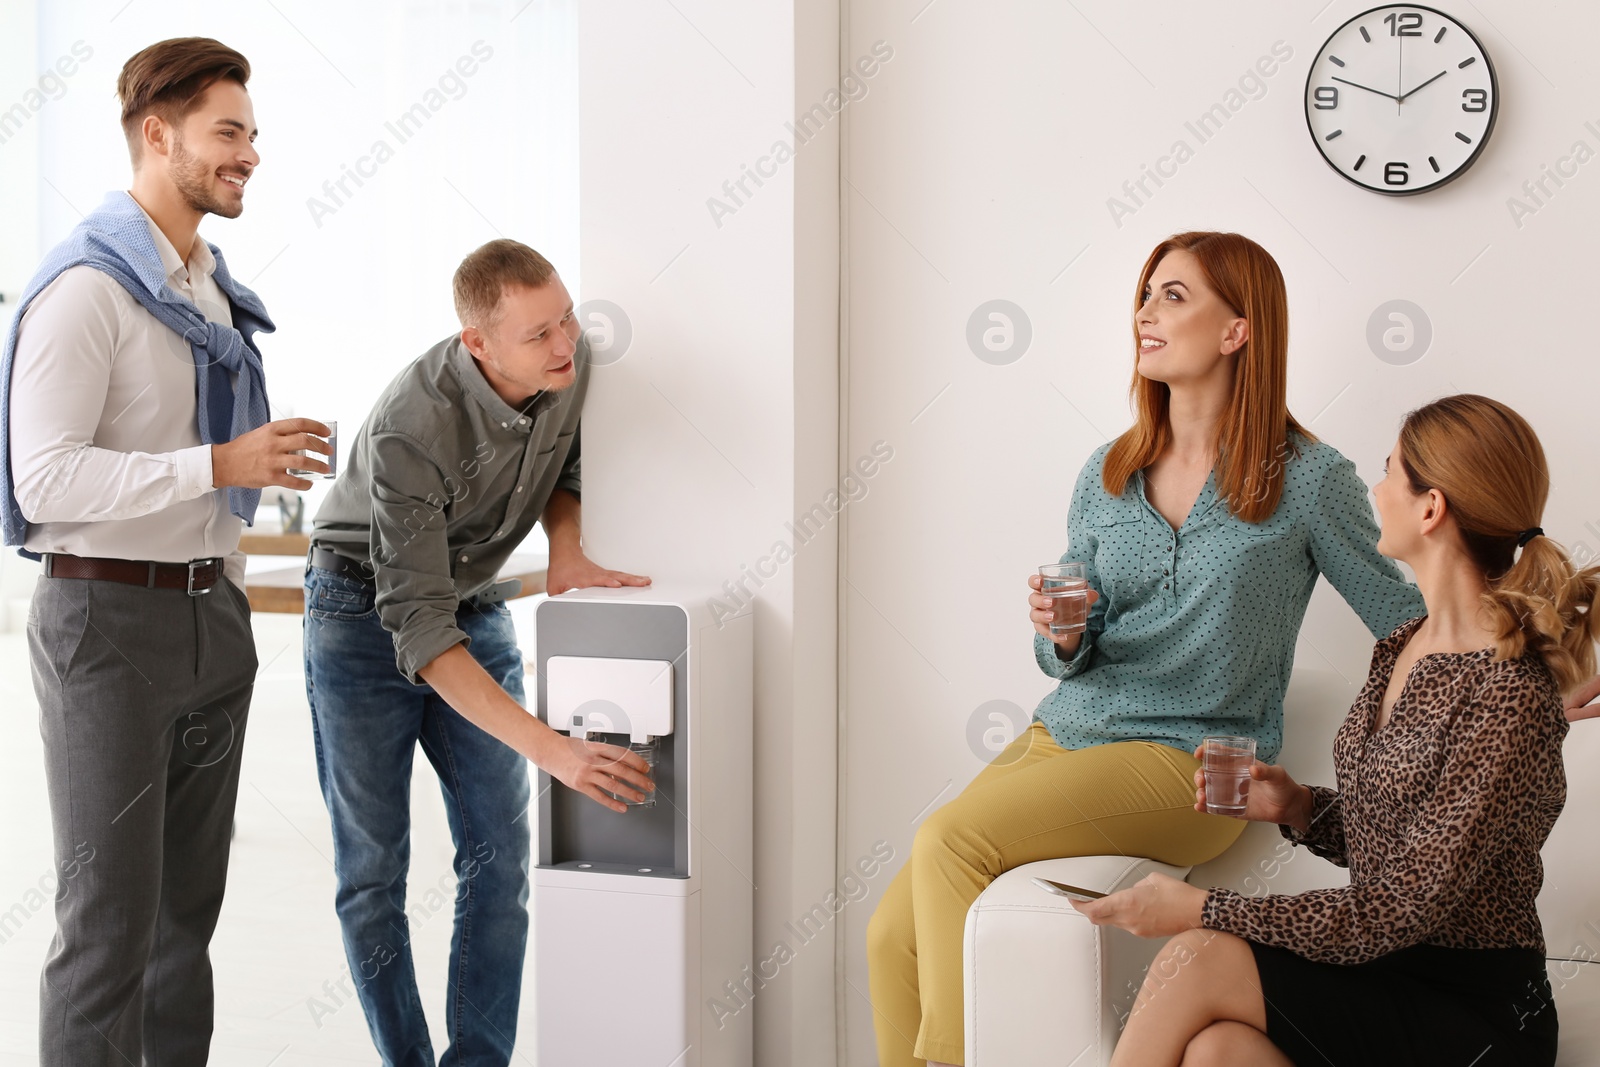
x,y
478,388
1203,503
202,264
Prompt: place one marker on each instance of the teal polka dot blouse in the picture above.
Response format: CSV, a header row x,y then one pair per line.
x,y
1194,631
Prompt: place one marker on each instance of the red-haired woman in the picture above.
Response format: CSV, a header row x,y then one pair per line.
x,y
1450,777
1203,529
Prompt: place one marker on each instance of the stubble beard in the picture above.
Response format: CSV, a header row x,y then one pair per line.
x,y
193,180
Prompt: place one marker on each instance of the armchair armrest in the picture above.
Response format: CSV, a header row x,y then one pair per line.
x,y
1042,985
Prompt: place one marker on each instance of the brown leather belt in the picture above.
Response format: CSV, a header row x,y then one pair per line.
x,y
195,577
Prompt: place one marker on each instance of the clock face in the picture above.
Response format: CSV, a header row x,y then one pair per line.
x,y
1401,99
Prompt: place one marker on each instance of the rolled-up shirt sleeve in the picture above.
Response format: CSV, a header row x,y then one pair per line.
x,y
416,596
571,478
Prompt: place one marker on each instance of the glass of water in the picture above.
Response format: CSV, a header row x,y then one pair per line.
x,y
651,751
1067,586
331,459
1227,762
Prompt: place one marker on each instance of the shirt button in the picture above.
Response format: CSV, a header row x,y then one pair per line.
x,y
463,558
522,422
502,425
519,488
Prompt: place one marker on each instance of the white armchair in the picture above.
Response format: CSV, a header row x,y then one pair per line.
x,y
1044,987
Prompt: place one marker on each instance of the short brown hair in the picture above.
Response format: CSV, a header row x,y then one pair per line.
x,y
169,78
482,278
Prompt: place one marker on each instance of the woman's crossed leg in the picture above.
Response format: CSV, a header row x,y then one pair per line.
x,y
1201,1005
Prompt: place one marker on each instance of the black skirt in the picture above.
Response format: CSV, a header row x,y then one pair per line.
x,y
1423,1005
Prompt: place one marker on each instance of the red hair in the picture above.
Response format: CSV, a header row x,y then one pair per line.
x,y
1253,433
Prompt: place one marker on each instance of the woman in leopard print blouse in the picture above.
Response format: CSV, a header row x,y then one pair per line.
x,y
1450,778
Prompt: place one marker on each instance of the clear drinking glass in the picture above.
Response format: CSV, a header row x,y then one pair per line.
x,y
1227,762
331,459
1067,586
651,751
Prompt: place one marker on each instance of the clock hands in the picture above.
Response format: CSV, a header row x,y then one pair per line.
x,y
1430,81
1370,89
1399,71
1391,96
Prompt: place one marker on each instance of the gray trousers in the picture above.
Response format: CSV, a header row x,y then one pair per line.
x,y
143,697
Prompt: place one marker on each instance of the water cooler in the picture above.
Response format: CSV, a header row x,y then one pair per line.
x,y
641,918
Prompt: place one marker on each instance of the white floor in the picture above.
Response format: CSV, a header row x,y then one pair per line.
x,y
277,952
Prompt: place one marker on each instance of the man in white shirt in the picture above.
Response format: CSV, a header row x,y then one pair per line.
x,y
135,451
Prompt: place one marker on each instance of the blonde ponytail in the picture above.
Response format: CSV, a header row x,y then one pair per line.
x,y
1545,605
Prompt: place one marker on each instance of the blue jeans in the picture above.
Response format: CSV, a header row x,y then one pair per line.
x,y
367,720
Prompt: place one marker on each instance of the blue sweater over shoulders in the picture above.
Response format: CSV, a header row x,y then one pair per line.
x,y
1194,631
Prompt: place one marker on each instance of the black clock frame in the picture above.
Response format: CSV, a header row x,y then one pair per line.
x,y
1494,109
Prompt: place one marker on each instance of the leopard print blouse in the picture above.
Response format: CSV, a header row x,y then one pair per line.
x,y
1440,815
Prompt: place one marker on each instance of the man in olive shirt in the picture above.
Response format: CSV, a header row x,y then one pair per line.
x,y
407,642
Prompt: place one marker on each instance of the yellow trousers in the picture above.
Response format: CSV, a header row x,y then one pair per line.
x,y
1035,801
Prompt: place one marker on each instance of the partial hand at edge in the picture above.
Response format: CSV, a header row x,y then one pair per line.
x,y
1578,702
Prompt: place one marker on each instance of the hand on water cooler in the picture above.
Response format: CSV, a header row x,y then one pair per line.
x,y
571,569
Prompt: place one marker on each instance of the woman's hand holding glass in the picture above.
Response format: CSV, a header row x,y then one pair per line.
x,y
1041,610
1270,795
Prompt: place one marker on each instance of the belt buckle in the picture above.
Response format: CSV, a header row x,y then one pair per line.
x,y
195,564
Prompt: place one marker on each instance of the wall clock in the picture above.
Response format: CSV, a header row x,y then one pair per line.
x,y
1401,99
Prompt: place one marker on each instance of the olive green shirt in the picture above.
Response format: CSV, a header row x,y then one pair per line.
x,y
441,484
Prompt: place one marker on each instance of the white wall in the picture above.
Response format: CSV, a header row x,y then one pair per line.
x,y
717,425
980,168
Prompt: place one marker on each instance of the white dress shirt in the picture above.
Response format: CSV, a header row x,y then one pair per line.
x,y
105,443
